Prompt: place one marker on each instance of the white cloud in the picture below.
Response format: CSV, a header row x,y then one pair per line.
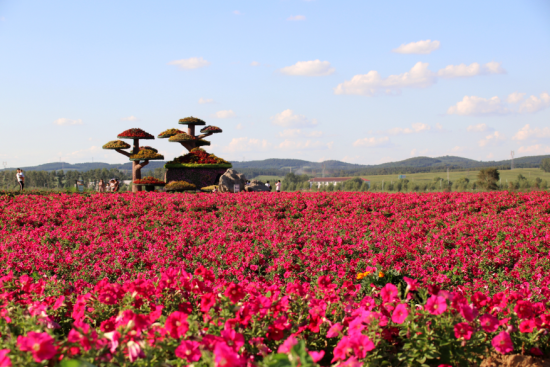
x,y
479,128
287,118
415,152
239,127
225,114
191,63
479,106
458,149
245,144
129,118
254,63
64,121
420,47
295,133
371,142
236,12
206,101
490,156
492,139
303,145
296,17
535,149
416,128
463,70
83,153
527,132
309,68
372,83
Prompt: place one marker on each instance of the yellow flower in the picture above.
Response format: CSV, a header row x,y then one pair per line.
x,y
366,273
381,275
360,276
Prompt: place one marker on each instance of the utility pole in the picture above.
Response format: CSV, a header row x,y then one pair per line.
x,y
512,163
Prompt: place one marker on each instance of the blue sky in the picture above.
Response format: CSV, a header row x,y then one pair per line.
x,y
359,81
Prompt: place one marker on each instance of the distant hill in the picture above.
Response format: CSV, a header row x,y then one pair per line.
x,y
416,164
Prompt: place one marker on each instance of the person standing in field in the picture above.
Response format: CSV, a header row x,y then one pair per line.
x,y
268,185
278,186
101,186
20,179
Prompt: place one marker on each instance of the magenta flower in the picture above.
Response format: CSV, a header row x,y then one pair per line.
x,y
189,351
334,330
234,292
468,312
463,330
503,343
361,344
389,293
356,326
527,326
5,360
523,309
287,345
343,349
412,284
224,356
489,323
41,345
176,324
207,301
400,313
316,356
436,305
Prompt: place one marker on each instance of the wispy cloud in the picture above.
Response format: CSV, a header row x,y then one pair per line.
x,y
420,47
309,68
191,63
225,114
288,118
65,121
372,142
206,101
296,17
515,103
129,118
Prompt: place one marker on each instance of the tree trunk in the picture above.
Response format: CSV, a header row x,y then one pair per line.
x,y
136,168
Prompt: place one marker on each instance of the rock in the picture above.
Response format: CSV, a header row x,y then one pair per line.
x,y
256,186
229,179
514,360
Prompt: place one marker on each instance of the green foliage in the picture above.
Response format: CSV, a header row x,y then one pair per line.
x,y
545,165
488,178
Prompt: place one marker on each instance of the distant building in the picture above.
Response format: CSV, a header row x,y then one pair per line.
x,y
319,181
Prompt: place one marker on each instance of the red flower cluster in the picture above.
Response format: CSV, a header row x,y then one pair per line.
x,y
135,133
149,180
211,129
199,156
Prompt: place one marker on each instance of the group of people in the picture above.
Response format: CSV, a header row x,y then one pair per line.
x,y
113,185
277,185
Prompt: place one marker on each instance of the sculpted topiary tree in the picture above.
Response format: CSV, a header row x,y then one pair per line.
x,y
140,157
189,140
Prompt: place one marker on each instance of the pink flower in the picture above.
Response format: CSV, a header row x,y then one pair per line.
x,y
287,345
207,301
527,326
388,293
436,305
534,351
356,326
316,356
5,361
400,313
189,351
489,323
361,344
176,324
503,343
40,344
233,338
412,284
334,330
225,356
463,330
343,349
234,292
134,351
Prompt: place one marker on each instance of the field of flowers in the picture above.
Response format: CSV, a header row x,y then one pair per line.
x,y
289,279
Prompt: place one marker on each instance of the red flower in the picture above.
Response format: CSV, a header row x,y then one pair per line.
x,y
234,292
189,351
41,345
463,330
524,309
412,284
5,361
176,324
389,293
226,357
207,301
400,314
527,326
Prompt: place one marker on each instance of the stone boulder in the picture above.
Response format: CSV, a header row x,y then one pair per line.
x,y
256,186
229,179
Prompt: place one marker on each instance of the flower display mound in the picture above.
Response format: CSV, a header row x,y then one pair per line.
x,y
146,155
135,133
169,133
149,180
180,186
191,121
201,177
196,158
116,144
183,138
211,129
344,279
149,148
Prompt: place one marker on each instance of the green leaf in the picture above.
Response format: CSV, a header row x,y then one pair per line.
x,y
74,363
